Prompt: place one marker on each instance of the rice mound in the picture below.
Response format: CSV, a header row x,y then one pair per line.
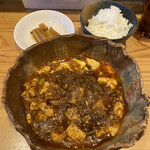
x,y
109,23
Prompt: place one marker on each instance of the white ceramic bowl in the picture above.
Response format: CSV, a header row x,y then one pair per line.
x,y
22,32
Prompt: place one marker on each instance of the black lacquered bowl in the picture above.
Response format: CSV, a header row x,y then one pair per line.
x,y
93,8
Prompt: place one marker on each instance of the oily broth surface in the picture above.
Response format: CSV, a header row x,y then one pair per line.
x,y
77,102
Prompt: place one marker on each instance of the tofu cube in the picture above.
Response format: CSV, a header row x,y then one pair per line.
x,y
34,82
58,137
113,129
45,87
99,108
73,114
76,95
48,111
27,85
101,132
75,133
28,117
40,116
86,118
65,65
112,83
44,69
33,106
31,92
118,109
78,64
93,63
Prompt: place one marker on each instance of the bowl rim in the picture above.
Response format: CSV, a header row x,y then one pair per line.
x,y
107,1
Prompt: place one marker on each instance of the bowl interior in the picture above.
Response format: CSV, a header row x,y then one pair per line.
x,y
92,9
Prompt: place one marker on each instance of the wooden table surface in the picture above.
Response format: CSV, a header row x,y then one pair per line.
x,y
139,49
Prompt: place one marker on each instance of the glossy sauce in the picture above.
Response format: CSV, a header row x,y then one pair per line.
x,y
72,103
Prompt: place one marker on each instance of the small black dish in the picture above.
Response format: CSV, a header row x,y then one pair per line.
x,y
93,8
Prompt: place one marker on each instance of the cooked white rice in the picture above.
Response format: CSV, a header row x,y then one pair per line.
x,y
109,23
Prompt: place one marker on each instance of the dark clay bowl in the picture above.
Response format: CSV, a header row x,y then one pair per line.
x,y
93,8
134,122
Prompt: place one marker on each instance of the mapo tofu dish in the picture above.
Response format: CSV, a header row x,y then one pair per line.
x,y
75,102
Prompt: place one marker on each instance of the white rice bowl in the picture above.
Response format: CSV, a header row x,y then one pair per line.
x,y
109,23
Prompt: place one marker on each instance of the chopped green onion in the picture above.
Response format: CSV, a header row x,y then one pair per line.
x,y
42,80
57,74
118,80
114,94
77,57
114,121
99,87
90,132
